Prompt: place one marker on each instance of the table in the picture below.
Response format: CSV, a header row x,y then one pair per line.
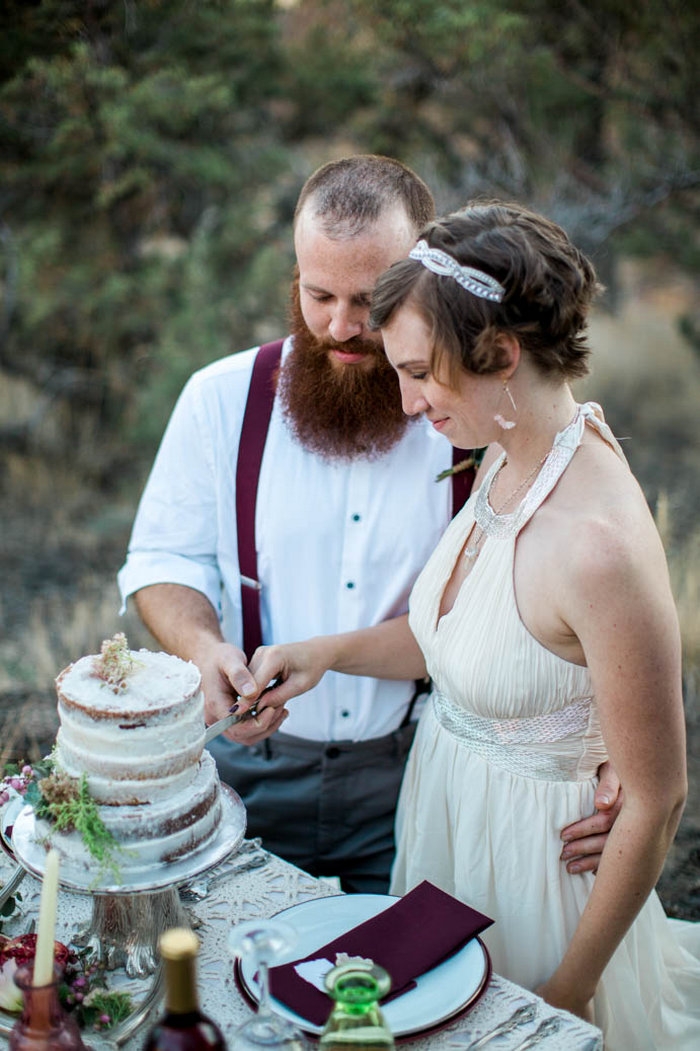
x,y
262,892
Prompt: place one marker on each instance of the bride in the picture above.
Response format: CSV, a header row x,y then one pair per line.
x,y
546,623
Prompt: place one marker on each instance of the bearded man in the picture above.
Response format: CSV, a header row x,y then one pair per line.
x,y
347,513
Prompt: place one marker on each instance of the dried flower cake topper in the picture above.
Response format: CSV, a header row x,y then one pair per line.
x,y
114,661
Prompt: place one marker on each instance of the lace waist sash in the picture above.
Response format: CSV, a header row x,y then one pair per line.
x,y
548,747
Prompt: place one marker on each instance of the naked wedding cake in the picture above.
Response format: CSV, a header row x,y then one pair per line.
x,y
132,722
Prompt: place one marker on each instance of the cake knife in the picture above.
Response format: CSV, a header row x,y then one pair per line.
x,y
228,720
231,720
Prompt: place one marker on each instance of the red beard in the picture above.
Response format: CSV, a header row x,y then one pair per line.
x,y
339,412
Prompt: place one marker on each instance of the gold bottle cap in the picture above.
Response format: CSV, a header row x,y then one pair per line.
x,y
178,943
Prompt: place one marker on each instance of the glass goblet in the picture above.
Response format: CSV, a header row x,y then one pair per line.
x,y
261,943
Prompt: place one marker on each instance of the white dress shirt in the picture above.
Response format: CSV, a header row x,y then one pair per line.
x,y
339,544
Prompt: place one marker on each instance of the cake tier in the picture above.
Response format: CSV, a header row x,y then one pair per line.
x,y
137,744
154,834
170,828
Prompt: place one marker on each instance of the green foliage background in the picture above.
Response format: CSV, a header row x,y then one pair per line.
x,y
152,151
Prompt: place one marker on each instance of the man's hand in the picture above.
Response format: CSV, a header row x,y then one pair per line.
x,y
229,687
184,622
585,839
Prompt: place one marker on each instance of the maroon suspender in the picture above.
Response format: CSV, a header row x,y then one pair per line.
x,y
256,420
462,480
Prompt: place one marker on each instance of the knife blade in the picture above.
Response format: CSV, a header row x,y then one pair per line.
x,y
231,720
228,720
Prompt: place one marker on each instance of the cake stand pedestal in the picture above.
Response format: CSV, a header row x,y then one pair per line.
x,y
123,930
128,916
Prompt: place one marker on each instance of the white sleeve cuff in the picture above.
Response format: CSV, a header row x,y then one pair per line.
x,y
141,570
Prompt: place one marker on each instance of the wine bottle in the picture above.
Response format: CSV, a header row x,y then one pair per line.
x,y
183,1027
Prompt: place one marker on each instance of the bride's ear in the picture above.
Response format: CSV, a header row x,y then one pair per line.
x,y
509,352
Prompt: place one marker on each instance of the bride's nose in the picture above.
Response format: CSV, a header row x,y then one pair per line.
x,y
413,402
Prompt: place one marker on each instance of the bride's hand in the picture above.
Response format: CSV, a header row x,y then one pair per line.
x,y
570,1001
292,669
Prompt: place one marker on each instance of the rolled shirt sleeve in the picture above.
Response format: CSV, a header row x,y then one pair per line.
x,y
185,528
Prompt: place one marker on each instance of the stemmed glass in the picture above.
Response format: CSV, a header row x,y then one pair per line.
x,y
261,943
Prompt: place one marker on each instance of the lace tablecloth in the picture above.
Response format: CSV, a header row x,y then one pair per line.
x,y
262,892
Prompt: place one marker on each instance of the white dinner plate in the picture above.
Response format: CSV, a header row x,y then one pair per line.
x,y
439,995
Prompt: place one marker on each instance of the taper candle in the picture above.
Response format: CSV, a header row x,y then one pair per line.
x,y
46,934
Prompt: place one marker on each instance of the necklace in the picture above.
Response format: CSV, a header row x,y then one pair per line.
x,y
472,549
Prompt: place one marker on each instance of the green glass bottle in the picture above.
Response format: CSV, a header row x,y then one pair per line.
x,y
356,1021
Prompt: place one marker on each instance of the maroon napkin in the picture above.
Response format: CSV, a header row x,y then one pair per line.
x,y
409,938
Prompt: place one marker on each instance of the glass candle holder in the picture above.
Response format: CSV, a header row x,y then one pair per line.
x,y
44,1024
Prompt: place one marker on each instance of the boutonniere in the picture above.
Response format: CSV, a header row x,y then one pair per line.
x,y
473,460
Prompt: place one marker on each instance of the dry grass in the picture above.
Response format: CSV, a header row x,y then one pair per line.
x,y
684,568
647,378
57,632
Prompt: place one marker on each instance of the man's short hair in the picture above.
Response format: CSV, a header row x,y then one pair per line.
x,y
350,194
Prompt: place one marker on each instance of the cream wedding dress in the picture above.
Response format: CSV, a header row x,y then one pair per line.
x,y
505,756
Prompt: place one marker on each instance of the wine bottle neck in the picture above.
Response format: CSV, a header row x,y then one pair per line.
x,y
181,986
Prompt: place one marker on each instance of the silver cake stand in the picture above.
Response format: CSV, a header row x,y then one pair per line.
x,y
129,915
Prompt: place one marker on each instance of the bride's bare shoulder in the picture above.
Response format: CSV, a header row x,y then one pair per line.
x,y
598,518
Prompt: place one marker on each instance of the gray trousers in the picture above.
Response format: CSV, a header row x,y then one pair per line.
x,y
327,807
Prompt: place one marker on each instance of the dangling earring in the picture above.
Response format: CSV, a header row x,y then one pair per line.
x,y
504,424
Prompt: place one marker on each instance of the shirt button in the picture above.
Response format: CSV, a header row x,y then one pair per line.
x,y
345,714
356,518
350,585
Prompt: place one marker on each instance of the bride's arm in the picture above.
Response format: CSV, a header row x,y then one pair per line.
x,y
385,651
619,605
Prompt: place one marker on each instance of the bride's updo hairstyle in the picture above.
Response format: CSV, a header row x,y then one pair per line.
x,y
548,287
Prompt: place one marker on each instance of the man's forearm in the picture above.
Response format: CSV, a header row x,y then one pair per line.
x,y
185,623
182,620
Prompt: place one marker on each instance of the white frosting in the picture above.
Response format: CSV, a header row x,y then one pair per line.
x,y
140,746
153,834
155,683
